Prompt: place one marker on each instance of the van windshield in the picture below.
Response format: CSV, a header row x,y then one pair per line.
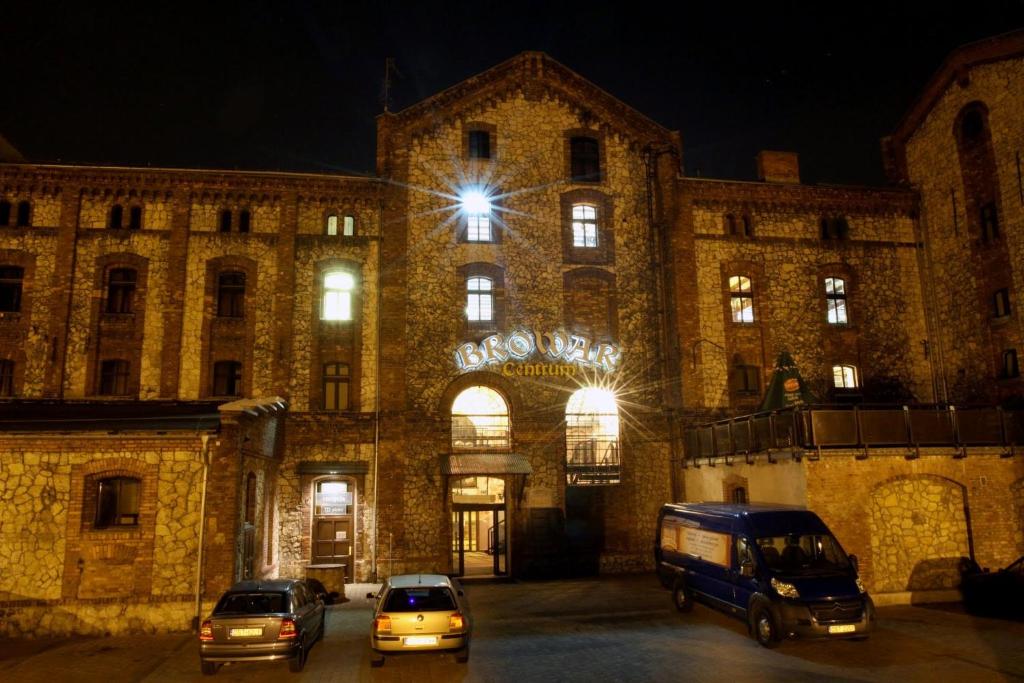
x,y
803,554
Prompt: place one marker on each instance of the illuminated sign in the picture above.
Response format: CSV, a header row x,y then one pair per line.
x,y
569,349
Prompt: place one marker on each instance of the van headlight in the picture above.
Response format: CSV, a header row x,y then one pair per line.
x,y
860,586
786,590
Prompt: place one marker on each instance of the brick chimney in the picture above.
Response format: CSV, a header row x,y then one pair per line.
x,y
778,167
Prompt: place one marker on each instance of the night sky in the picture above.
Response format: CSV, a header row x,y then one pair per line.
x,y
296,86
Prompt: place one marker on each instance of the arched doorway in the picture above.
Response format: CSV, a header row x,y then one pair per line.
x,y
480,430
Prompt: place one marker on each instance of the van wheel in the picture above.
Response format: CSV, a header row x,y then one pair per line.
x,y
682,598
209,668
765,630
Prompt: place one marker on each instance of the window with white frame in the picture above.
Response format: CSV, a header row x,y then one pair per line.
x,y
478,227
348,226
835,297
332,225
337,301
479,299
844,377
741,299
584,225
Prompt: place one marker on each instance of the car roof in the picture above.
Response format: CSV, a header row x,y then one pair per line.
x,y
274,585
416,580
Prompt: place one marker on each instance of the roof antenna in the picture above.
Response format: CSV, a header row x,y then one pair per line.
x,y
389,67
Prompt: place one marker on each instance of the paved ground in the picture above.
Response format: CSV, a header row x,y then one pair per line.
x,y
613,629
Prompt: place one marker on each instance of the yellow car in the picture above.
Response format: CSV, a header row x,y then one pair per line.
x,y
419,613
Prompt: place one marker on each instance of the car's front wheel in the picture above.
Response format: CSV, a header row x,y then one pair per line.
x,y
765,630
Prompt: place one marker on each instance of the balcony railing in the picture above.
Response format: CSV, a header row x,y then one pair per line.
x,y
857,427
592,461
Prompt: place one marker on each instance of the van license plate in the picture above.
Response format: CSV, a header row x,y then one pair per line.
x,y
246,632
418,641
842,628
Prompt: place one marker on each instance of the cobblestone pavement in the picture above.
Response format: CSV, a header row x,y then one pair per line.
x,y
611,629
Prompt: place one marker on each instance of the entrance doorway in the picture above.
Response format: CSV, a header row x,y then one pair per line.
x,y
479,529
333,523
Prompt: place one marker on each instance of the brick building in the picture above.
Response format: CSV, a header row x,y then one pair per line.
x,y
483,359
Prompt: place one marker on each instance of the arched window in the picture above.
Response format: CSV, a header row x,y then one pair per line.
x,y
739,495
243,220
480,420
5,212
120,290
349,226
972,126
337,301
135,218
117,502
585,163
116,217
730,224
584,225
748,225
741,299
11,278
835,299
24,214
6,378
479,299
231,295
225,220
114,376
227,378
592,437
845,377
1010,365
331,227
336,384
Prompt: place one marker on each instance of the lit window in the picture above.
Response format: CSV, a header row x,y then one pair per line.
x,y
117,502
231,295
478,227
585,159
10,288
114,378
338,288
479,144
120,290
332,225
6,378
479,299
336,383
227,378
741,299
592,437
835,297
584,225
349,226
480,419
1001,302
844,376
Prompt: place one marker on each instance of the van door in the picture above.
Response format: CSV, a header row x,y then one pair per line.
x,y
744,574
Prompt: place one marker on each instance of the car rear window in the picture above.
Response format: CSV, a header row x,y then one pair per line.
x,y
252,603
420,600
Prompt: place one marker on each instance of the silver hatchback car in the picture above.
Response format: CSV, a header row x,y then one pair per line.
x,y
420,613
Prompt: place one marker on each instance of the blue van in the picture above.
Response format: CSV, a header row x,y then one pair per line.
x,y
777,567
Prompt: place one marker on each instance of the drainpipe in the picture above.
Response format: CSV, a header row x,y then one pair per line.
x,y
200,555
376,391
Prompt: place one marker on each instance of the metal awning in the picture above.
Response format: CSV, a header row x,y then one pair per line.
x,y
485,463
334,467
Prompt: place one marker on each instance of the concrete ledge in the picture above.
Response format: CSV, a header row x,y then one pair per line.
x,y
916,597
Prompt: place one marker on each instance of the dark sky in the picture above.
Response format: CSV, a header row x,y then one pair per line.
x,y
296,85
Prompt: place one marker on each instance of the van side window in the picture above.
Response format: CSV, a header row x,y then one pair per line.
x,y
743,553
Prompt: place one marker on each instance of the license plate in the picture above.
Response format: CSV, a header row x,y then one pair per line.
x,y
419,641
842,628
245,632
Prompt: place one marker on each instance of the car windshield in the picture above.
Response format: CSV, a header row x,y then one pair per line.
x,y
420,600
803,554
252,603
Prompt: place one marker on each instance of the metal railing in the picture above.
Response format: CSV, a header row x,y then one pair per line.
x,y
857,427
592,461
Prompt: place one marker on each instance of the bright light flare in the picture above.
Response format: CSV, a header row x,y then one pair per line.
x,y
475,202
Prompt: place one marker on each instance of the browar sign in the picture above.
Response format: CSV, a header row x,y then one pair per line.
x,y
559,354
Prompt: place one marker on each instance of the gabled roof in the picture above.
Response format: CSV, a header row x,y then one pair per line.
x,y
956,67
536,74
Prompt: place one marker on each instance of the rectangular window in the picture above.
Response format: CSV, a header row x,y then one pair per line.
x,y
479,299
741,299
225,220
227,378
6,378
585,159
746,379
10,288
5,213
336,385
1001,303
231,295
478,227
835,297
243,220
117,502
114,378
337,301
844,377
479,144
120,290
584,226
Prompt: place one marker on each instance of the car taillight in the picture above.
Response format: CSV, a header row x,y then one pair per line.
x,y
206,630
382,624
456,622
288,629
